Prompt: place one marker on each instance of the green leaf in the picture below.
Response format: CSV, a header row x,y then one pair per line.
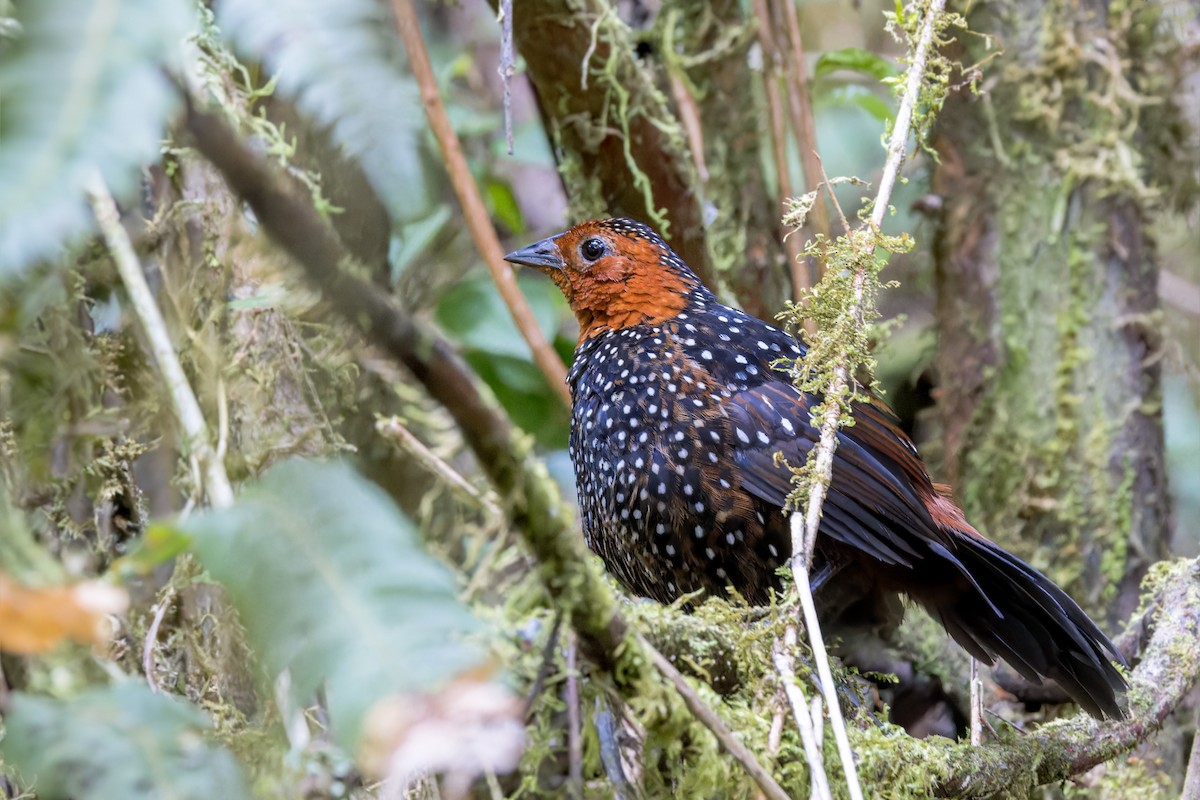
x,y
159,544
120,741
343,64
857,60
332,585
476,315
83,90
860,96
504,206
414,238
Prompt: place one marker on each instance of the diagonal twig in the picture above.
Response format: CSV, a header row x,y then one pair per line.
x,y
714,723
478,222
187,409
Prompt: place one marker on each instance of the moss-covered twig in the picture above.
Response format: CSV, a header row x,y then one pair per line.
x,y
187,409
838,390
478,221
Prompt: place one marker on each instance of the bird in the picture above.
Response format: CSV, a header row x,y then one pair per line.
x,y
682,427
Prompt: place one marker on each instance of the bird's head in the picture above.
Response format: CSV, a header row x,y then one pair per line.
x,y
615,273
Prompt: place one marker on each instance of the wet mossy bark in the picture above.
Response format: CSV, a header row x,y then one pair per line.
x,y
744,239
620,149
1048,313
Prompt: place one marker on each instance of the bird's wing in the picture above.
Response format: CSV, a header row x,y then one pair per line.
x,y
874,503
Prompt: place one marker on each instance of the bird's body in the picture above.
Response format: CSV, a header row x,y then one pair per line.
x,y
681,424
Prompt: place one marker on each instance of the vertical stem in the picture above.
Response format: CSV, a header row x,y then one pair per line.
x,y
797,267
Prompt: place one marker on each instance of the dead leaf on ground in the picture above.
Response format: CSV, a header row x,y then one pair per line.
x,y
37,619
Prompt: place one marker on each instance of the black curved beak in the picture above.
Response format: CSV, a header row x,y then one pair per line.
x,y
539,255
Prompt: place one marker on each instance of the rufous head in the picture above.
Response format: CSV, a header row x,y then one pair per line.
x,y
615,273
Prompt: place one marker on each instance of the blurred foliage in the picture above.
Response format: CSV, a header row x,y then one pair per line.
x,y
345,68
332,585
84,93
119,741
1181,423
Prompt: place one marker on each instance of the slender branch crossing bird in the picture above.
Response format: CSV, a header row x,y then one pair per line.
x,y
679,421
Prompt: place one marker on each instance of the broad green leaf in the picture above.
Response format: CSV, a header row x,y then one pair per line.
x,y
476,315
83,89
331,583
857,60
343,63
120,741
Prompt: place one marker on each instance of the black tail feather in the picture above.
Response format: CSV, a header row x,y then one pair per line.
x,y
1007,609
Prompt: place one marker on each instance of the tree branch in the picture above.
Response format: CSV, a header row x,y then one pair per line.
x,y
1054,752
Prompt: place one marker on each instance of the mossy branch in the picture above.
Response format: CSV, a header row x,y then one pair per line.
x,y
1168,670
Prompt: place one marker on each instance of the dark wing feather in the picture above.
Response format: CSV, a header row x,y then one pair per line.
x,y
869,508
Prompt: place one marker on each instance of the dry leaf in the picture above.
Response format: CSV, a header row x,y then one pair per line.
x,y
467,729
35,619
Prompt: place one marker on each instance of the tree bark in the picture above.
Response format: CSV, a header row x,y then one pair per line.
x,y
1049,347
620,148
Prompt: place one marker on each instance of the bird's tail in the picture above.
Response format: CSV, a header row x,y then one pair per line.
x,y
1005,608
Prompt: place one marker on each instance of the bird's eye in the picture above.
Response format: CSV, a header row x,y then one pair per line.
x,y
592,249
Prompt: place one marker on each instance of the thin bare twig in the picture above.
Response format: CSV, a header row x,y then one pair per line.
x,y
832,197
574,722
709,719
689,117
976,705
392,428
507,66
478,222
785,664
800,565
800,105
160,612
797,264
187,409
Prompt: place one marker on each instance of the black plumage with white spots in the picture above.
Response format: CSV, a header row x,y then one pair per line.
x,y
681,424
654,424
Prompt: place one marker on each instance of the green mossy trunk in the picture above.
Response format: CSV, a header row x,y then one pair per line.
x,y
1048,312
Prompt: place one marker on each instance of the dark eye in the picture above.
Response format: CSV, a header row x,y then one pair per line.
x,y
592,249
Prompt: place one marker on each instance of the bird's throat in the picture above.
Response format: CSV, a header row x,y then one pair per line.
x,y
613,305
